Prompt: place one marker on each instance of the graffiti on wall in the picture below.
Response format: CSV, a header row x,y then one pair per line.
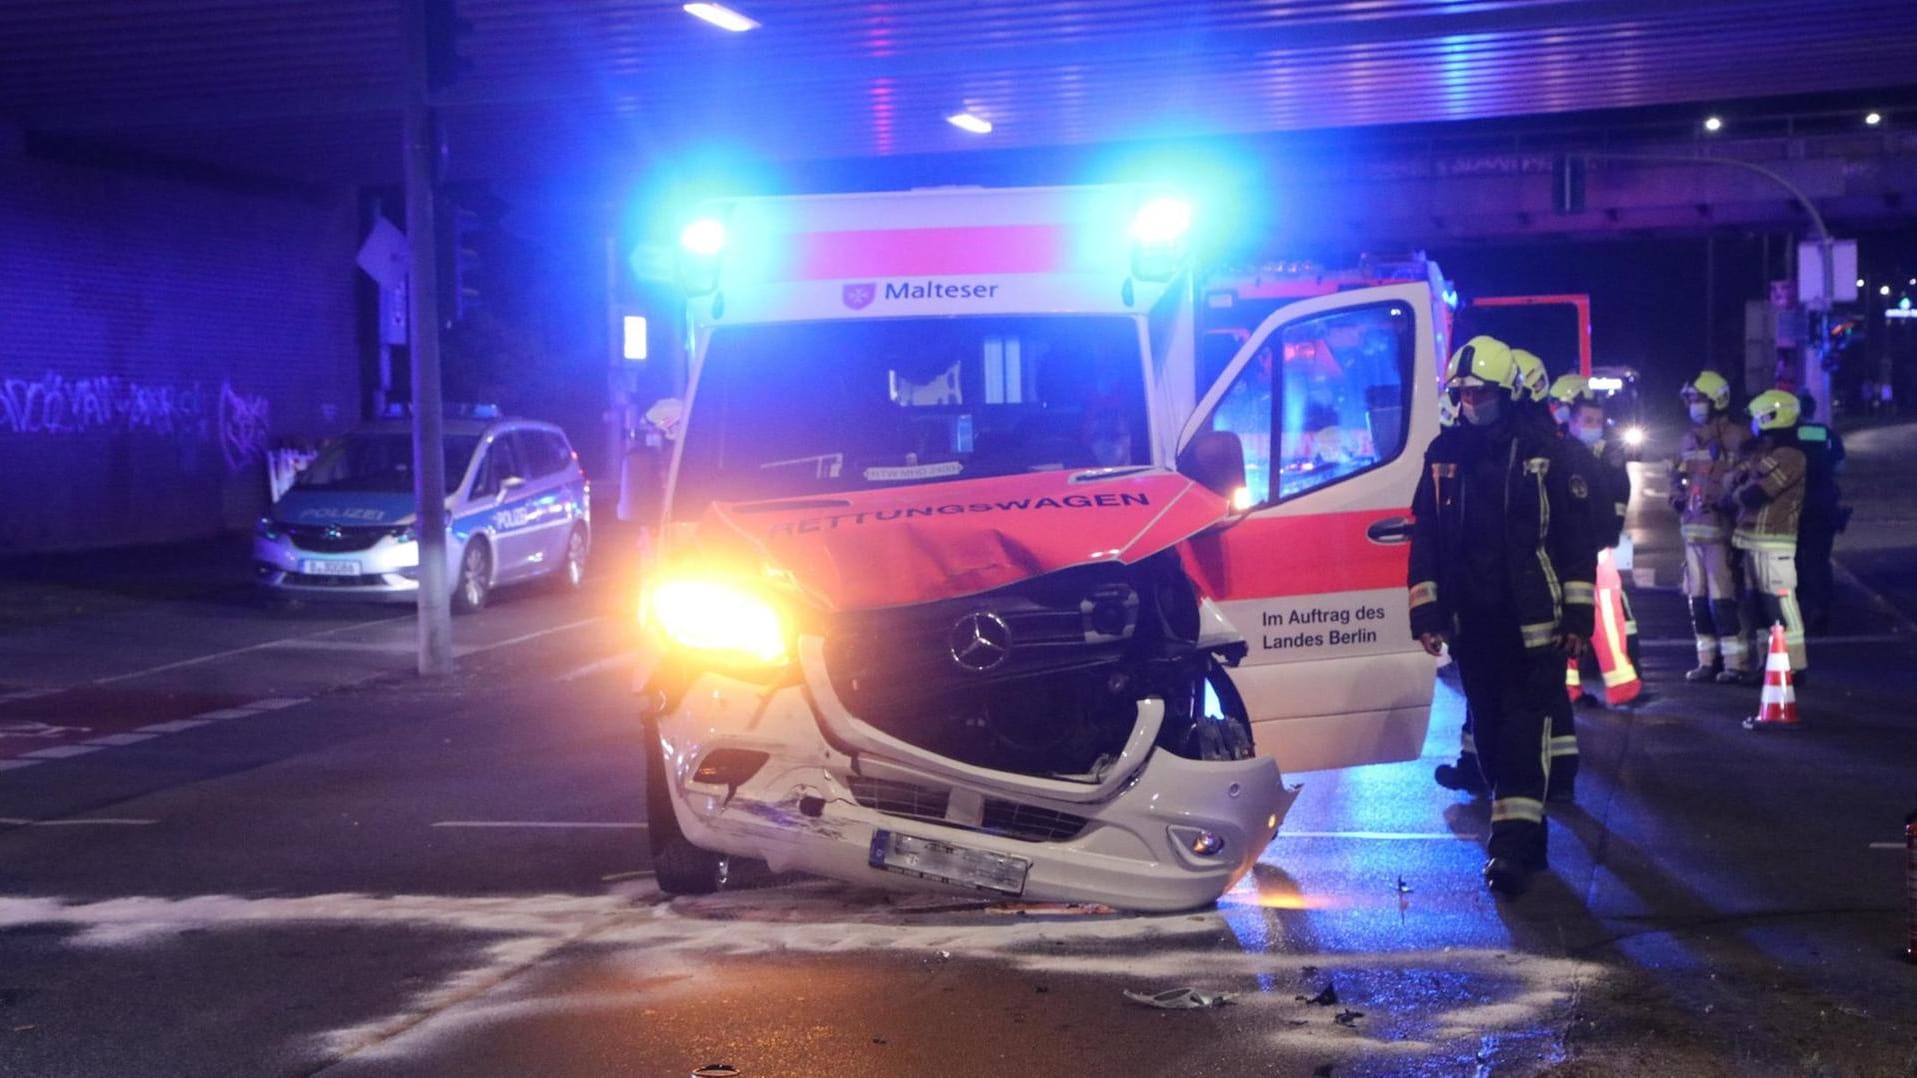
x,y
55,405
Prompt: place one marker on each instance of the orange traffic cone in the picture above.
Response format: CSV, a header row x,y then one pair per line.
x,y
1777,708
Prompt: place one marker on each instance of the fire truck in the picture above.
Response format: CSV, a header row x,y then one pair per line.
x,y
970,573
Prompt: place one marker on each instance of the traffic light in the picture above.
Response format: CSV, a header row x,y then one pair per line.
x,y
445,30
459,262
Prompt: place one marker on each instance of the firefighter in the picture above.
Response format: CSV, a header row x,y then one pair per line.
x,y
1501,569
1610,503
1824,515
1766,491
1705,458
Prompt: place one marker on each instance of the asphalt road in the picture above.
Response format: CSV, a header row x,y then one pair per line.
x,y
236,839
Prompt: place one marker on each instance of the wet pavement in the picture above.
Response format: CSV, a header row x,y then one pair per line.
x,y
378,876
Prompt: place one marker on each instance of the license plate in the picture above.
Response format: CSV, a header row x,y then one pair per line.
x,y
316,567
929,859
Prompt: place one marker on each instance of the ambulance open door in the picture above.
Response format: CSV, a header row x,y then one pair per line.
x,y
1333,401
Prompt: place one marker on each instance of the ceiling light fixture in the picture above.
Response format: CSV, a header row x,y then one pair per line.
x,y
722,17
965,121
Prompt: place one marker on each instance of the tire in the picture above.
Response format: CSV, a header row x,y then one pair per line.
x,y
572,572
475,582
678,866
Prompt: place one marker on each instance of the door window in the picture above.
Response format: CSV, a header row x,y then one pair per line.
x,y
501,462
538,452
1332,387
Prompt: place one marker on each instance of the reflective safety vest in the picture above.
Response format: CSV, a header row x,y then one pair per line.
x,y
1706,457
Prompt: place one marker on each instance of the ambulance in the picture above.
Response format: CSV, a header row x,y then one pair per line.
x,y
962,581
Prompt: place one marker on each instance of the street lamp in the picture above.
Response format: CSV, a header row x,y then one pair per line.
x,y
1713,124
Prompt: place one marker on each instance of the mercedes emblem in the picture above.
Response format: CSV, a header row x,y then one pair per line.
x,y
980,641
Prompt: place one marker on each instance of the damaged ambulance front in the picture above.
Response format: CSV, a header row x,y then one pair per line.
x,y
1005,685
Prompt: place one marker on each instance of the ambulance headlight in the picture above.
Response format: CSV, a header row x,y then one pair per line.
x,y
717,618
1162,221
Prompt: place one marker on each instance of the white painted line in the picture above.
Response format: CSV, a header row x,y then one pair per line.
x,y
1886,845
608,663
304,643
15,765
241,651
591,824
229,713
59,752
1862,638
638,874
85,821
568,627
275,703
28,694
121,739
173,727
1384,836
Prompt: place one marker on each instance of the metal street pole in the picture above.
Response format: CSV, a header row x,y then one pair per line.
x,y
421,152
1816,379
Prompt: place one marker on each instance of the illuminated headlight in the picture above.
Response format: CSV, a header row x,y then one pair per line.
x,y
1162,220
704,237
717,617
1241,498
268,528
1634,436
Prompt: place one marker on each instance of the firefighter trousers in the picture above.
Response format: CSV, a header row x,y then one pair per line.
x,y
1773,578
1511,693
1710,583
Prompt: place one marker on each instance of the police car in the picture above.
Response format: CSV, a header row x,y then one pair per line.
x,y
516,504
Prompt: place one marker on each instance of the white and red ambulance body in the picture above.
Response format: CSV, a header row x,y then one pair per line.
x,y
933,599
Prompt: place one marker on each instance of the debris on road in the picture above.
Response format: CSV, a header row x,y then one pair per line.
x,y
1326,998
1182,999
716,1070
1403,887
1347,1017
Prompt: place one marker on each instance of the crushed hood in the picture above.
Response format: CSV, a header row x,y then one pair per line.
x,y
924,543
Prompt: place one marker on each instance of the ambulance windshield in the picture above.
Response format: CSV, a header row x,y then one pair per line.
x,y
799,408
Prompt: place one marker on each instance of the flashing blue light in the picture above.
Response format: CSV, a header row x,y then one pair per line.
x,y
706,236
1162,220
1451,298
1903,303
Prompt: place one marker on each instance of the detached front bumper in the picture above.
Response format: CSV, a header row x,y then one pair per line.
x,y
812,805
388,569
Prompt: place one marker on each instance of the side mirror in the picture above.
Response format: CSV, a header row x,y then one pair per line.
x,y
508,485
1216,461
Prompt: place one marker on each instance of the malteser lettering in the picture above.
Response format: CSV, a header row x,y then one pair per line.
x,y
938,290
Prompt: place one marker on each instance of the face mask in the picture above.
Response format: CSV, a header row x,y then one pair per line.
x,y
1482,415
1700,412
1589,435
1559,414
1757,431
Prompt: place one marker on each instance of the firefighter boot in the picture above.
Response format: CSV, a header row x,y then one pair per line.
x,y
1465,776
1706,631
1517,851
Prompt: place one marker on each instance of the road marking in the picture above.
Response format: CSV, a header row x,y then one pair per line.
x,y
395,648
173,727
543,823
59,752
1861,638
600,666
1384,836
568,627
638,874
228,713
120,739
89,821
28,694
240,651
15,765
1886,845
275,703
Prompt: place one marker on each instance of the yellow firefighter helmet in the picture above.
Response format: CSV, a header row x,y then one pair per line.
x,y
1775,410
1483,361
1710,386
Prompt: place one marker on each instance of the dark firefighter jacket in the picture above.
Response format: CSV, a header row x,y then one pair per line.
x,y
1610,492
1501,520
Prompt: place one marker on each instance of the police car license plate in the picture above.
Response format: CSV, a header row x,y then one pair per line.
x,y
929,859
318,567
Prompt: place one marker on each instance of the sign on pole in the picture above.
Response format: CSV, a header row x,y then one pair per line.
x,y
1812,290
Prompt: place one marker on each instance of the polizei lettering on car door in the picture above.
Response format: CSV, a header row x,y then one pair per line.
x,y
952,509
935,290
